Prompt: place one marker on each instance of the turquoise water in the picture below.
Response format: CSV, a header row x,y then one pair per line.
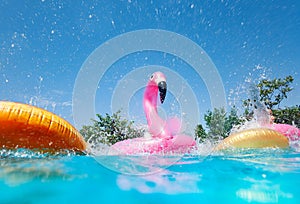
x,y
262,176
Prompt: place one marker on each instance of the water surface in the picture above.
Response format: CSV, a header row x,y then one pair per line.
x,y
262,176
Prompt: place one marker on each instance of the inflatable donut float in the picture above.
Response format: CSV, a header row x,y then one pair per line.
x,y
254,138
26,126
291,132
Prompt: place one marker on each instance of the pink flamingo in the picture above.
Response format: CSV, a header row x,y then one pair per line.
x,y
291,132
165,135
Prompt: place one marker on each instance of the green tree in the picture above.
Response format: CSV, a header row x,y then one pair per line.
x,y
219,123
200,133
289,115
232,120
110,129
266,94
272,92
269,92
215,121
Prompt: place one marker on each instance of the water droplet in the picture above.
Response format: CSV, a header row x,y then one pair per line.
x,y
113,23
23,35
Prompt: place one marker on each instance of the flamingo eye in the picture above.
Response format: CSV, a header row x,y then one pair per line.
x,y
152,76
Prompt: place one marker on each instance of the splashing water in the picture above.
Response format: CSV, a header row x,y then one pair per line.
x,y
260,112
261,116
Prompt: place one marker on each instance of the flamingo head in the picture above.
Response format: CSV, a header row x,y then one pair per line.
x,y
158,79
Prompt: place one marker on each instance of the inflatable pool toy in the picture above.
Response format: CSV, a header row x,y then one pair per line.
x,y
26,126
164,135
291,132
150,145
254,138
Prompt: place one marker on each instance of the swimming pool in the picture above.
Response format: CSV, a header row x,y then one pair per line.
x,y
261,176
76,58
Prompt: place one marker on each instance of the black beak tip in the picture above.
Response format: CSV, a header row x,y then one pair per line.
x,y
162,98
162,87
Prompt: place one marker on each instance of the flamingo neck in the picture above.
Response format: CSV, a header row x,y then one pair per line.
x,y
155,123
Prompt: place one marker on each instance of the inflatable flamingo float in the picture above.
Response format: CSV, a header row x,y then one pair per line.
x,y
165,135
291,132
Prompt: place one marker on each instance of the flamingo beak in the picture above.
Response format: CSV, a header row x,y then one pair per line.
x,y
162,87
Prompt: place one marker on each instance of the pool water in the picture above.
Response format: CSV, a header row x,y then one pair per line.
x,y
261,176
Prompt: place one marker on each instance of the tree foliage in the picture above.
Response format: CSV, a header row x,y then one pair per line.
x,y
110,129
272,92
289,115
215,121
266,94
219,123
200,133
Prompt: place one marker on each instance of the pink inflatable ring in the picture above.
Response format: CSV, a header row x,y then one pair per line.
x,y
291,132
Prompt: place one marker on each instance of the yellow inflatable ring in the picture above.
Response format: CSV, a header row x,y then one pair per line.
x,y
26,126
254,138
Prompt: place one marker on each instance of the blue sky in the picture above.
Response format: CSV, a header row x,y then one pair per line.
x,y
45,43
